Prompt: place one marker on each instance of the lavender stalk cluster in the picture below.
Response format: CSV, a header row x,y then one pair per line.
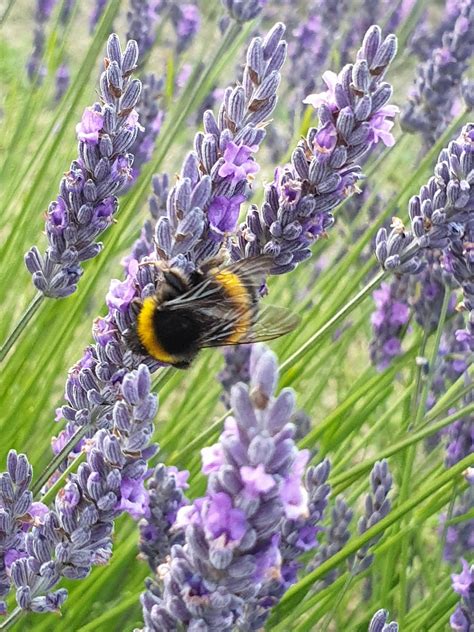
x,y
63,75
97,12
243,10
377,506
69,539
337,537
203,207
35,68
232,536
166,496
440,77
462,619
17,513
389,321
354,116
142,21
380,623
87,200
186,20
441,218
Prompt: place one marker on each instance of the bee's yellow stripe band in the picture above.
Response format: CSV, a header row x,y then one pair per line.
x,y
146,332
238,293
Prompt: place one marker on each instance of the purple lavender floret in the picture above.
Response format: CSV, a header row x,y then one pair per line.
x,y
35,68
439,78
186,20
203,206
243,10
232,535
460,536
389,321
70,539
98,10
441,218
337,537
462,619
377,506
87,199
166,496
63,79
379,623
17,513
299,536
354,116
142,21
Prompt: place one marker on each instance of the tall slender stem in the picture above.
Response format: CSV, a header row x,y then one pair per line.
x,y
333,321
25,318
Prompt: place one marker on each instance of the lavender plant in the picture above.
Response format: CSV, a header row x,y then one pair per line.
x,y
441,218
439,79
87,201
354,116
235,553
220,576
35,67
463,584
68,540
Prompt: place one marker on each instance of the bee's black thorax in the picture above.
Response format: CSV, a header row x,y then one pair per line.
x,y
177,332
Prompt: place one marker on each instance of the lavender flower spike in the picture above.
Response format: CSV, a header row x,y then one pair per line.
x,y
379,623
231,549
377,506
353,117
441,218
203,207
87,198
243,10
439,79
70,539
462,619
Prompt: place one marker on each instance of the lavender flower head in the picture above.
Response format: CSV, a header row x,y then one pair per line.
x,y
439,79
87,198
232,535
166,496
379,623
203,206
389,321
377,506
441,218
462,619
77,534
243,10
353,117
35,68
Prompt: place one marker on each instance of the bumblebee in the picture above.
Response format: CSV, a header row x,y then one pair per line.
x,y
213,307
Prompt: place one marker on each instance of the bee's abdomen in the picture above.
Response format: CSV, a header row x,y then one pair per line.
x,y
242,297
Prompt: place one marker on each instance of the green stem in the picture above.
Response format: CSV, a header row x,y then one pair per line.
x,y
296,593
67,449
6,13
21,325
333,321
421,395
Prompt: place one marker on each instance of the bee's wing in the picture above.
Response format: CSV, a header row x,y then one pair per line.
x,y
251,271
269,322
